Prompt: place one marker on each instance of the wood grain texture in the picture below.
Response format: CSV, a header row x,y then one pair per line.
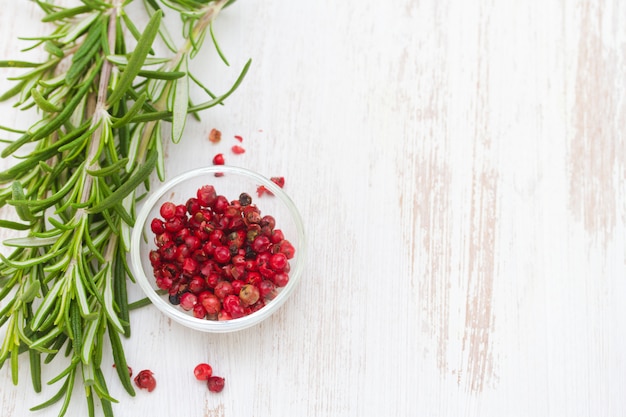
x,y
460,167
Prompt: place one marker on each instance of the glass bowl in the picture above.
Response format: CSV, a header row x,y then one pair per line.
x,y
231,184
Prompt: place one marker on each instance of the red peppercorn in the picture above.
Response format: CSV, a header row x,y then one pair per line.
x,y
262,259
155,258
190,266
188,301
266,272
220,205
287,248
168,251
278,261
145,380
197,284
216,384
280,181
215,136
181,211
281,279
277,236
249,294
231,302
224,316
212,280
192,242
258,305
210,302
198,311
182,234
167,210
268,221
251,216
261,244
193,206
237,150
266,289
203,371
238,311
221,254
254,278
164,283
157,226
237,285
261,190
218,159
223,289
206,195
174,224
162,239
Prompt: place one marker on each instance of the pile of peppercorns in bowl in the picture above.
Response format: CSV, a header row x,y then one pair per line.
x,y
213,253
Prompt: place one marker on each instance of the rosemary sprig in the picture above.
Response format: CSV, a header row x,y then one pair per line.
x,y
102,110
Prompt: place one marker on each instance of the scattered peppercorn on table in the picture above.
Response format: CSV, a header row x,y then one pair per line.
x,y
460,171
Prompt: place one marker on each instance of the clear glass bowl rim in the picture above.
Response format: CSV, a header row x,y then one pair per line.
x,y
212,326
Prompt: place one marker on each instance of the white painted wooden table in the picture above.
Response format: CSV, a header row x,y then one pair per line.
x,y
460,167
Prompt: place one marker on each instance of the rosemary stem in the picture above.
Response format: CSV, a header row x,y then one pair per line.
x,y
100,111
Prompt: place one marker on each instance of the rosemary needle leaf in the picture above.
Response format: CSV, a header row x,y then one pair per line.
x,y
217,46
108,301
43,104
122,60
52,49
58,343
144,44
65,13
160,166
41,343
56,397
30,262
109,170
135,180
18,64
223,97
154,4
35,369
8,224
48,302
162,75
50,126
181,104
68,393
106,403
81,294
139,303
124,120
15,90
10,129
119,359
18,196
31,292
29,242
15,364
132,28
88,341
80,28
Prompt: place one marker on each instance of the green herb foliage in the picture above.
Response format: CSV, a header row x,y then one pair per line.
x,y
101,110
